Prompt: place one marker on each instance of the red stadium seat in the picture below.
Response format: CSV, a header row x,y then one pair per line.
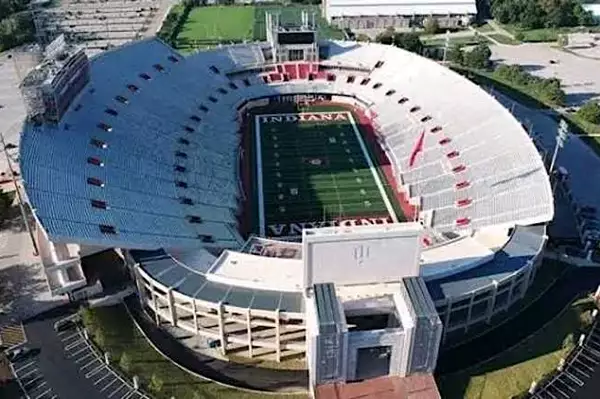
x,y
463,222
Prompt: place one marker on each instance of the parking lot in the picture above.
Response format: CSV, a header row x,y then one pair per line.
x,y
31,379
579,371
93,367
580,76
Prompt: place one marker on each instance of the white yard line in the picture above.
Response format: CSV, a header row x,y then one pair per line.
x,y
337,191
259,177
365,152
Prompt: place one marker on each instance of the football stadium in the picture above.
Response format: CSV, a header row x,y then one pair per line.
x,y
349,203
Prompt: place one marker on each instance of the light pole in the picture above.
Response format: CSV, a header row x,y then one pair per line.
x,y
561,137
446,45
13,177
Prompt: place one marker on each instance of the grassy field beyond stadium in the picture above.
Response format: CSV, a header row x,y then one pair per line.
x,y
207,26
313,167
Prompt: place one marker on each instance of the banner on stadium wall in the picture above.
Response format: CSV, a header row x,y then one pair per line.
x,y
343,99
300,98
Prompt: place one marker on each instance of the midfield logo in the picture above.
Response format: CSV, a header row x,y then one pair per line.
x,y
315,161
308,117
295,229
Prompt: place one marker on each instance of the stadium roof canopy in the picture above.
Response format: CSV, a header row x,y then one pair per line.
x,y
355,8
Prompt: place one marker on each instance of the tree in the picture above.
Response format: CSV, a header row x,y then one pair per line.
x,y
386,37
551,90
563,40
533,14
589,112
431,25
361,37
156,383
409,41
455,55
478,57
125,362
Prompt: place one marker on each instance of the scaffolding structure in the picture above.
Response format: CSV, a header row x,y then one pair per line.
x,y
50,87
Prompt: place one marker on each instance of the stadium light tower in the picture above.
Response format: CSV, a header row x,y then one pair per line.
x,y
446,45
561,137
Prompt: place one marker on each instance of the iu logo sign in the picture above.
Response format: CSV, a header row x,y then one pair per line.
x,y
361,254
315,161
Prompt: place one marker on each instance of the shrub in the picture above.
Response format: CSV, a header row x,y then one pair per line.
x,y
125,362
520,36
478,57
409,41
547,90
386,37
431,25
568,341
156,383
590,112
455,55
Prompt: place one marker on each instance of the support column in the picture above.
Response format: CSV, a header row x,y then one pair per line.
x,y
155,303
527,278
447,318
222,337
510,292
172,311
490,311
278,336
469,312
249,332
195,316
140,287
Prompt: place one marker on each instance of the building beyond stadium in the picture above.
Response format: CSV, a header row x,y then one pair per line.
x,y
400,14
149,158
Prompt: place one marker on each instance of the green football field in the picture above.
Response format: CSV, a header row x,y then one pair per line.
x,y
312,171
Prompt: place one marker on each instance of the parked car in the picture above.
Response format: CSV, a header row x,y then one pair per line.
x,y
19,353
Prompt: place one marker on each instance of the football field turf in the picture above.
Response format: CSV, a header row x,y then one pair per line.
x,y
207,26
310,170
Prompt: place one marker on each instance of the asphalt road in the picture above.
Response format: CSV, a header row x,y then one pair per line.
x,y
56,364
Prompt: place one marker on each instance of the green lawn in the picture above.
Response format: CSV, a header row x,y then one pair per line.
x,y
512,371
459,41
209,26
485,28
113,331
503,39
314,171
546,34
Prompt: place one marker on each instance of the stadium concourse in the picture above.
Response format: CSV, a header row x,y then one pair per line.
x,y
152,157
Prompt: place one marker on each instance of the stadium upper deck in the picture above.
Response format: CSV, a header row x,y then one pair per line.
x,y
141,160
